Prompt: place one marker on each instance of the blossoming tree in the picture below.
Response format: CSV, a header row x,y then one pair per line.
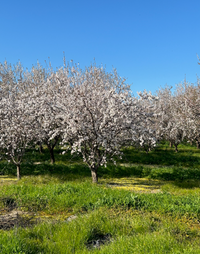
x,y
17,116
99,116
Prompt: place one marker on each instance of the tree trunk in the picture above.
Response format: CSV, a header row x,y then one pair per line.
x,y
52,155
198,144
176,148
18,172
94,175
51,147
170,144
40,148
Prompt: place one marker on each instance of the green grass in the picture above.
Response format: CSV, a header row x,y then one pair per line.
x,y
129,232
148,203
80,197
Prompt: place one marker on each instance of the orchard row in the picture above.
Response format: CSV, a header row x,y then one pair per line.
x,y
89,111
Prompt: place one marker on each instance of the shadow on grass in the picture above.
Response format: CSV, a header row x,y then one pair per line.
x,y
163,164
187,184
164,157
35,156
78,170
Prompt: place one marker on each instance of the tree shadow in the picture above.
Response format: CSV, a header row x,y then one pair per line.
x,y
187,184
158,164
184,158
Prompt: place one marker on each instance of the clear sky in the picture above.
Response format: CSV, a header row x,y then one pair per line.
x,y
150,42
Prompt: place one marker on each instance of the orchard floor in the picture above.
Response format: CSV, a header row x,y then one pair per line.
x,y
148,203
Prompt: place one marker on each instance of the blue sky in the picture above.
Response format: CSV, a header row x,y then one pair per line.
x,y
151,43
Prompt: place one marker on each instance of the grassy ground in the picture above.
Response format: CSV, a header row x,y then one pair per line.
x,y
148,203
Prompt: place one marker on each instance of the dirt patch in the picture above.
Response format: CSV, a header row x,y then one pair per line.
x,y
97,240
12,215
16,218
